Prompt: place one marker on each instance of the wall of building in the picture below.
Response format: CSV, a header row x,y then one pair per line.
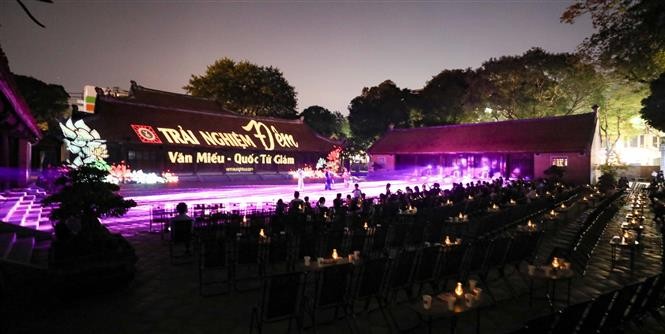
x,y
381,163
578,169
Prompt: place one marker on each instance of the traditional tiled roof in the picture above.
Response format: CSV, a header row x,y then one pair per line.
x,y
20,118
114,117
572,133
154,97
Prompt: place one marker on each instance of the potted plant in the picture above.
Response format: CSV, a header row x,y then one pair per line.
x,y
82,243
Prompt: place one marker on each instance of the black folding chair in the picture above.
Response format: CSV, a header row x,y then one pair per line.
x,y
427,268
181,234
281,299
596,313
569,318
332,285
213,261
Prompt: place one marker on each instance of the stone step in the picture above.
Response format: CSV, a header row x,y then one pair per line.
x,y
22,250
6,242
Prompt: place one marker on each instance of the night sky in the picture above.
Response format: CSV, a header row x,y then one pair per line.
x,y
328,50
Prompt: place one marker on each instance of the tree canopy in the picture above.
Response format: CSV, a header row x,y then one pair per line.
x,y
48,102
537,84
450,97
246,88
630,36
653,107
324,122
376,108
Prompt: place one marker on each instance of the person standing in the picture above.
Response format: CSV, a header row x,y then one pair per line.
x,y
300,173
356,191
329,178
346,176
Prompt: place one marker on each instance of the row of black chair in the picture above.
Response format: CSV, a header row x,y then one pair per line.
x,y
607,313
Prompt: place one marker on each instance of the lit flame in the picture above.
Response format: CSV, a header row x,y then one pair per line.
x,y
470,197
494,206
529,224
262,234
334,254
563,206
365,226
458,290
447,241
512,201
244,219
552,213
584,198
461,215
555,263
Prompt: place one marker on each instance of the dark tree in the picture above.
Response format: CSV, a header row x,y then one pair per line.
x,y
371,113
629,37
246,88
323,121
49,103
538,84
448,98
653,107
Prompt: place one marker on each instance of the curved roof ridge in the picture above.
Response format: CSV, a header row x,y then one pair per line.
x,y
516,120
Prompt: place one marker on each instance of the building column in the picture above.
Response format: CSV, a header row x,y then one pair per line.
x,y
662,157
24,159
4,161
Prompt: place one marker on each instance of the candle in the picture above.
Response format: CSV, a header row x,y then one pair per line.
x,y
262,234
447,241
530,224
555,263
552,213
563,206
459,292
244,219
365,226
494,206
461,215
334,254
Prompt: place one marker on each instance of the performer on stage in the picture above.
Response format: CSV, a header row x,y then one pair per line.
x,y
301,179
329,179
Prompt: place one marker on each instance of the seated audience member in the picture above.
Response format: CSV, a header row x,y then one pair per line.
x,y
297,204
182,225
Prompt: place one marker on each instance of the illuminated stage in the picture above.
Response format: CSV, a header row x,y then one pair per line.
x,y
241,197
